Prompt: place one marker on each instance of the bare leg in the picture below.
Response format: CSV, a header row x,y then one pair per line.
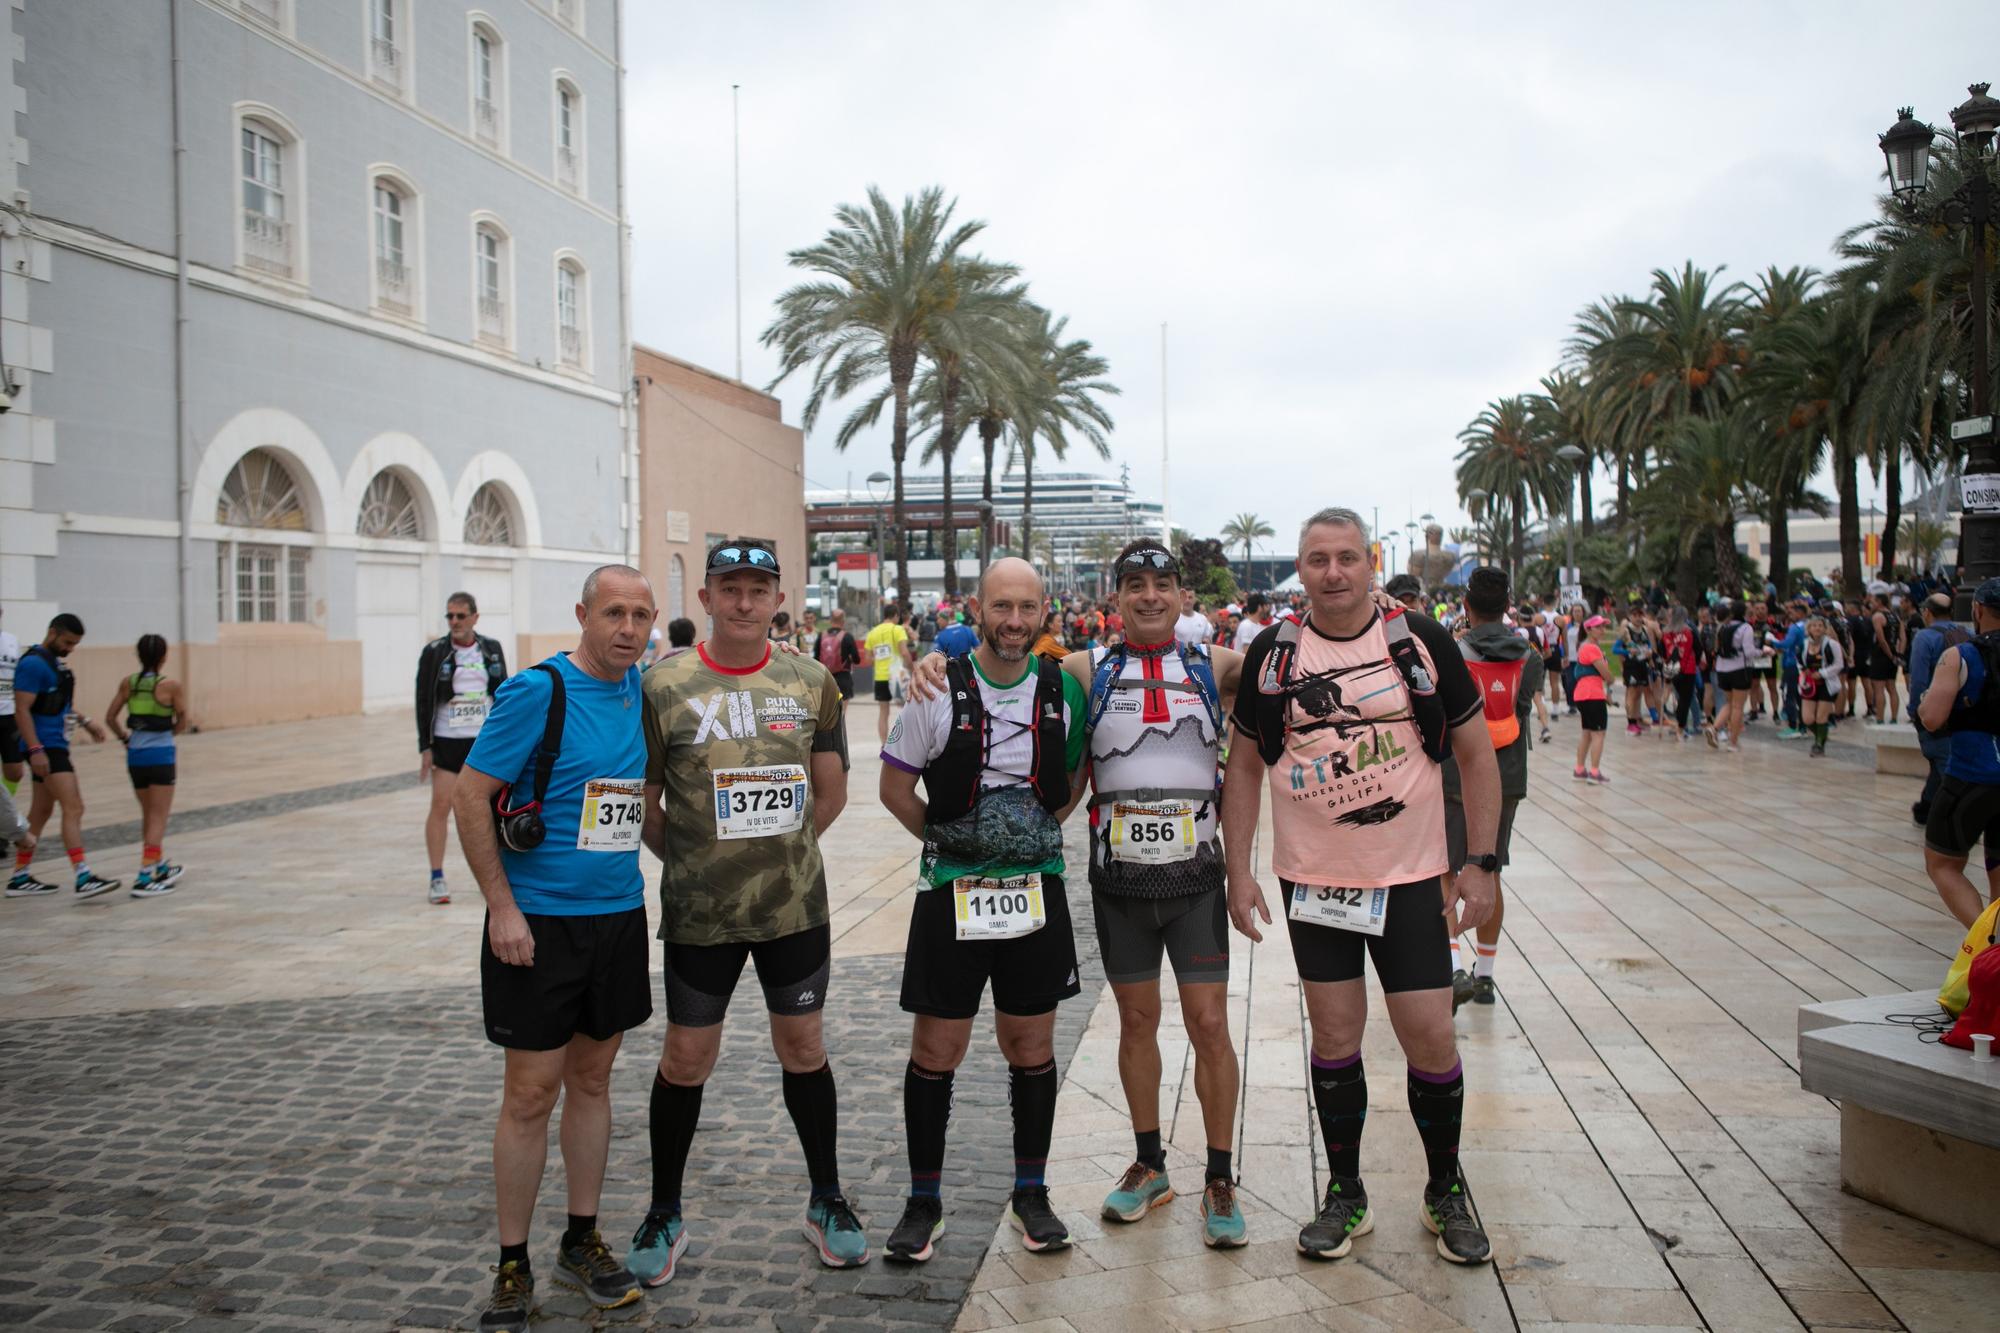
x,y
1961,899
1205,1011
534,1080
439,817
586,1119
1139,1050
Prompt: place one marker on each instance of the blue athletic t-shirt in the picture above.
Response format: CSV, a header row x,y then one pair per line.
x,y
34,675
1975,755
957,640
582,867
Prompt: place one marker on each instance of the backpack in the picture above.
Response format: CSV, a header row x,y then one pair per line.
x,y
1500,692
1426,708
1194,661
1978,945
951,781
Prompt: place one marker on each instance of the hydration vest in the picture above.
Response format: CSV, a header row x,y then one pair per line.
x,y
55,702
1499,691
489,653
143,709
1426,709
1107,676
951,781
1983,715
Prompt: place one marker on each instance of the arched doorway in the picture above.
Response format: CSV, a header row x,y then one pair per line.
x,y
491,533
388,589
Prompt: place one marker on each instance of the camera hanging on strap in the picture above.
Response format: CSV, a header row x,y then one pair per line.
x,y
520,828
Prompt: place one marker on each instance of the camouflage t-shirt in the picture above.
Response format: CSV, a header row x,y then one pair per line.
x,y
733,749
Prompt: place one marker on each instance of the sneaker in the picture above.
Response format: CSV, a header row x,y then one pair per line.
x,y
89,884
1343,1215
836,1233
1818,750
1545,735
1461,988
24,885
1448,1213
1792,734
512,1302
166,872
1579,773
1482,990
915,1238
1138,1191
1221,1222
1597,776
157,884
1710,735
657,1246
1040,1228
440,895
1632,728
588,1266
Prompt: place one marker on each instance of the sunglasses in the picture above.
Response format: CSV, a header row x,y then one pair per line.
x,y
754,556
458,615
1160,560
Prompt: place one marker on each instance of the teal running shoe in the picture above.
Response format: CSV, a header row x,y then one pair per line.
x,y
836,1233
1138,1191
656,1248
1221,1223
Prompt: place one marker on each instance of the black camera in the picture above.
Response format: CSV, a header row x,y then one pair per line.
x,y
520,828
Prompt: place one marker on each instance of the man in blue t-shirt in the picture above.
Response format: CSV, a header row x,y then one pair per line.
x,y
563,967
43,689
957,639
1967,805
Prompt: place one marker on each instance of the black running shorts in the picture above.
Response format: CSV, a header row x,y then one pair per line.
x,y
945,976
11,749
882,691
448,752
1882,667
1454,831
1732,681
1191,931
1592,714
1637,674
792,969
151,775
589,977
1413,951
58,757
1961,814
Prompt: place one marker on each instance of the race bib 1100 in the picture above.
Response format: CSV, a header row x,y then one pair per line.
x,y
998,909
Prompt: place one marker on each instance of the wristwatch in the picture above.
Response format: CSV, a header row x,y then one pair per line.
x,y
1487,861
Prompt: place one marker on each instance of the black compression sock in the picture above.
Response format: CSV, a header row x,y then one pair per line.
x,y
1150,1152
1033,1093
815,1114
1219,1165
671,1118
926,1116
1340,1092
1436,1103
514,1254
579,1227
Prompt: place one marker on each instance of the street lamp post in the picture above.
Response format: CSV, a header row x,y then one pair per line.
x,y
878,479
1906,147
1473,498
1571,455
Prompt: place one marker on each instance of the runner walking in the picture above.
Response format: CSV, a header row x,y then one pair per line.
x,y
1350,717
457,677
156,713
1926,646
554,845
888,644
13,751
1964,695
745,771
998,755
1819,666
43,691
1735,647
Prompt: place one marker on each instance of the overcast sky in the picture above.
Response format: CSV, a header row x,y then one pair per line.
x,y
1360,222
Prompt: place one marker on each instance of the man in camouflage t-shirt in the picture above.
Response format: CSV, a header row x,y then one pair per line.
x,y
744,771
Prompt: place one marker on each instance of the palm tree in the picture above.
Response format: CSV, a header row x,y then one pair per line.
x,y
1506,456
1925,539
1056,398
1807,382
891,281
1783,459
1247,529
1101,549
1698,490
1565,413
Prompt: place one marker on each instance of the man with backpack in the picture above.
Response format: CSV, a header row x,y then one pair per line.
x,y
1964,697
1926,647
1348,718
1509,677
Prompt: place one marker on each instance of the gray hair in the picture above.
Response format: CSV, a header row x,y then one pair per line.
x,y
1333,516
590,581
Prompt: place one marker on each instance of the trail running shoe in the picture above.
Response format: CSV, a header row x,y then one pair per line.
x,y
1597,776
440,895
836,1233
1580,774
1482,990
1138,1191
1343,1215
1461,988
24,885
915,1238
90,884
1448,1213
656,1247
512,1302
1792,734
1221,1222
1818,751
588,1266
1040,1228
1545,735
158,883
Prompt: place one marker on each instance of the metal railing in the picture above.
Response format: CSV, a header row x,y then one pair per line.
x,y
267,243
392,286
566,167
492,320
486,120
571,338
387,62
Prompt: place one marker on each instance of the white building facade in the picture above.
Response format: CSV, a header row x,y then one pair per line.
x,y
313,312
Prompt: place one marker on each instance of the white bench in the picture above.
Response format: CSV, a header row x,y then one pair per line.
x,y
1896,752
1919,1121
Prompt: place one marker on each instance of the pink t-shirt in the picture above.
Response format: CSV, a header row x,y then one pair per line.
x,y
1590,681
1355,800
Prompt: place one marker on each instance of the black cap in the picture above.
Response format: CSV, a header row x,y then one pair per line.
x,y
750,555
1404,585
1987,594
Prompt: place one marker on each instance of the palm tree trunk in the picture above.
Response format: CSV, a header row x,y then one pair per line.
x,y
989,439
1892,506
1587,506
902,369
947,446
1850,520
1687,587
1519,551
1624,490
1780,520
1027,498
1728,564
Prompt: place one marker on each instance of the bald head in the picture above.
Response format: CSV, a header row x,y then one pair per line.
x,y
1010,571
627,580
1008,608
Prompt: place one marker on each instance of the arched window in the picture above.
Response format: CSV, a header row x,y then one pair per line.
x,y
571,313
569,135
492,281
488,520
394,211
269,197
388,56
261,581
389,510
489,85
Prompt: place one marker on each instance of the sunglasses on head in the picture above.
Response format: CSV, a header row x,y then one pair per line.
x,y
755,556
1160,560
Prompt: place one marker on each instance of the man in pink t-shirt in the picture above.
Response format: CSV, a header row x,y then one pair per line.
x,y
1338,725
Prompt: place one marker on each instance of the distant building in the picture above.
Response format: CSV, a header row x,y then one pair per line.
x,y
314,313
